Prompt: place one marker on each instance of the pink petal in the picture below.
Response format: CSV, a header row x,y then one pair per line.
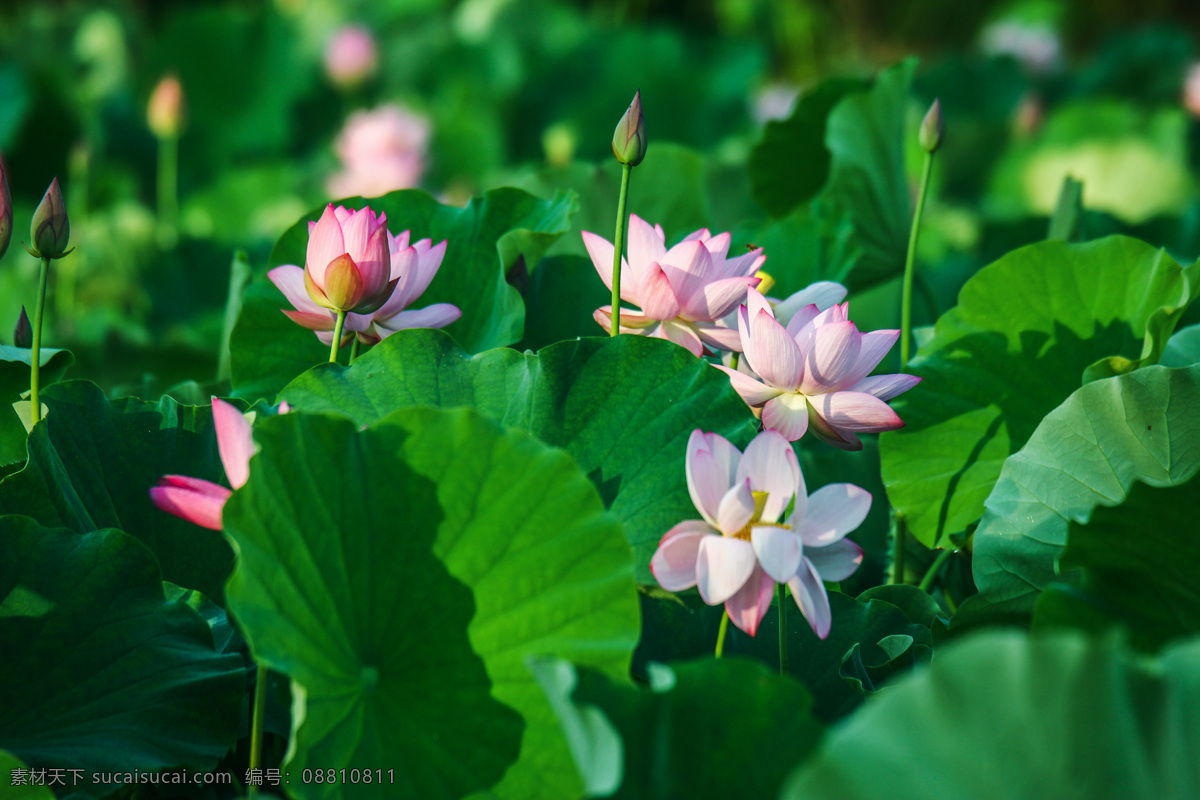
x,y
674,562
438,315
289,279
753,392
822,294
715,299
631,321
709,466
681,334
788,414
233,442
656,297
315,321
601,252
645,243
719,336
833,511
823,430
828,361
325,243
356,232
736,508
799,321
778,550
773,354
688,266
837,561
756,302
856,411
770,465
885,387
874,346
195,500
718,246
723,566
376,266
811,598
747,608
743,266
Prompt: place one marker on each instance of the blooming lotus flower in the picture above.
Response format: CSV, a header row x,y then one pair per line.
x,y
684,292
814,371
412,268
739,552
382,150
202,501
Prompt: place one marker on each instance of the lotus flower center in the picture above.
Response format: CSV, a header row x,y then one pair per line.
x,y
760,502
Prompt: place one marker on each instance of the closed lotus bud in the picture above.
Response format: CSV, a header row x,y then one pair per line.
x,y
351,57
629,140
50,229
6,214
165,111
932,128
23,334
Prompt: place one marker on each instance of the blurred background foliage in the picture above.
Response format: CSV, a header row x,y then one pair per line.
x,y
526,93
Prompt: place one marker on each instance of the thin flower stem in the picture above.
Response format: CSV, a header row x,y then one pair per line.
x,y
618,248
168,191
783,654
721,634
733,362
256,722
337,337
934,570
906,301
353,349
36,354
899,543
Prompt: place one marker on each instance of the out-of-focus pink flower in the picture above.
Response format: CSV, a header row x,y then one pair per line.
x,y
1036,45
165,111
381,151
1191,90
347,268
740,550
815,371
202,501
412,268
351,56
684,292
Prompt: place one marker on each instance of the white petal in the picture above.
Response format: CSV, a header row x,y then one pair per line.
x,y
811,598
723,566
770,466
778,550
833,511
837,561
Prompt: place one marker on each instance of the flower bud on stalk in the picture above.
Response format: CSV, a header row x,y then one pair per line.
x,y
629,139
50,229
6,212
165,111
23,333
932,128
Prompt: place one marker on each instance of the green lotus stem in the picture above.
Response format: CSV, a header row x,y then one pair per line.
x,y
256,722
906,300
618,248
168,190
899,542
721,634
353,349
934,569
733,362
783,655
36,354
337,337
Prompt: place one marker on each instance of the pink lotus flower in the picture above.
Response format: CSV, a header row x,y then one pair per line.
x,y
382,150
739,552
815,371
684,292
351,56
202,501
412,267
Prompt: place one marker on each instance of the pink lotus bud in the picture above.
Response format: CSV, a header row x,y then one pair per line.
x,y
351,57
50,229
932,128
6,213
1191,92
343,283
629,139
23,333
165,111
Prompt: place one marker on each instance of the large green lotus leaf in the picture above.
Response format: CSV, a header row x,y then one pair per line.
x,y
1016,346
91,465
623,408
104,673
1086,453
560,298
791,163
866,134
815,242
1002,715
431,684
1141,566
16,782
15,364
743,722
1183,348
483,242
851,662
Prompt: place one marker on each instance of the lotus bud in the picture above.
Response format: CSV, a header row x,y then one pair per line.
x,y
351,57
165,111
50,229
343,283
629,140
6,212
23,334
932,128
